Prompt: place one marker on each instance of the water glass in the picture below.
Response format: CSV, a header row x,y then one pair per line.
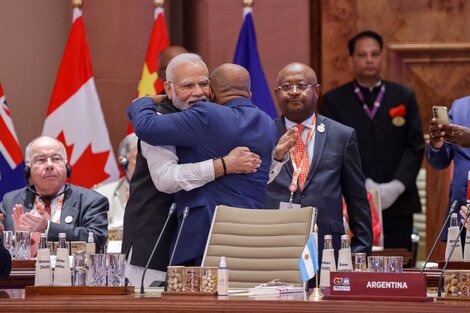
x,y
116,268
376,263
394,264
97,270
22,245
8,242
360,264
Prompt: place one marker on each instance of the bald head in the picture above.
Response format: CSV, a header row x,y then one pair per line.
x,y
306,71
165,57
230,81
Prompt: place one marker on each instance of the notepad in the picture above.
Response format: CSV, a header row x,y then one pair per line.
x,y
262,290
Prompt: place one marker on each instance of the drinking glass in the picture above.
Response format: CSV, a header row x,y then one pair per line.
x,y
97,270
22,245
394,264
116,268
376,263
8,242
360,264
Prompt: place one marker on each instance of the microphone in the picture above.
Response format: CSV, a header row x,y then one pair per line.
x,y
462,227
170,213
185,214
451,210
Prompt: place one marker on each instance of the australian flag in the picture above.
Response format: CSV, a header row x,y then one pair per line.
x,y
247,56
11,158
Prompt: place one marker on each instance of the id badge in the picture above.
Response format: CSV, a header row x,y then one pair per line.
x,y
288,205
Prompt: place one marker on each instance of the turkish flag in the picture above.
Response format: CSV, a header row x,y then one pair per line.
x,y
75,117
149,83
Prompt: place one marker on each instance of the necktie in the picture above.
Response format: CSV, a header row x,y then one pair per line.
x,y
47,205
300,152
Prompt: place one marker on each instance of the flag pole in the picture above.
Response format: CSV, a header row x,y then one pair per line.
x,y
248,3
317,295
158,3
77,4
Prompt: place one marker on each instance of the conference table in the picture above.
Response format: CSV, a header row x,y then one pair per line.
x,y
14,300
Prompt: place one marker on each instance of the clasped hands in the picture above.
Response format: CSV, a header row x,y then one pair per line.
x,y
389,192
452,133
33,221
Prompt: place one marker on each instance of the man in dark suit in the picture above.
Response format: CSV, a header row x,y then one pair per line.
x,y
386,118
5,257
207,130
325,164
49,204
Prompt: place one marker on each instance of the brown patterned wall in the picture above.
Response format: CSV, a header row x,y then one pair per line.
x,y
427,48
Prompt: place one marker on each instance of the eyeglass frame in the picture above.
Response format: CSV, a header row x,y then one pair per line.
x,y
191,86
292,86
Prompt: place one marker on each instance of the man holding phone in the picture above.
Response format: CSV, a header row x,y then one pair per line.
x,y
452,142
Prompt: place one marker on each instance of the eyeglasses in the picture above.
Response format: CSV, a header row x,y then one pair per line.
x,y
188,86
42,159
300,87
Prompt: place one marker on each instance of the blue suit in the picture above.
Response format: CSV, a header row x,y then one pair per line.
x,y
459,114
205,131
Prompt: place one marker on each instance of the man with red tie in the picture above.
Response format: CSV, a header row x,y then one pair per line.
x,y
325,164
50,205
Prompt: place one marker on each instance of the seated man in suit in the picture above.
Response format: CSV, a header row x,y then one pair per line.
x,y
5,257
207,130
325,164
50,205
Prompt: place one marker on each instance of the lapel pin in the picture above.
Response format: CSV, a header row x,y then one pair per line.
x,y
68,219
321,128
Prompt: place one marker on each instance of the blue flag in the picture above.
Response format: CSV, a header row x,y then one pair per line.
x,y
247,56
308,261
11,159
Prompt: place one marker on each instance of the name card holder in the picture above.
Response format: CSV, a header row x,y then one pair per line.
x,y
378,286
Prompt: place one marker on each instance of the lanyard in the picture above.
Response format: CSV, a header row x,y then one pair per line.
x,y
293,186
378,100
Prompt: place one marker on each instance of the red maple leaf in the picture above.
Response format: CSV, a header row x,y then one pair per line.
x,y
88,170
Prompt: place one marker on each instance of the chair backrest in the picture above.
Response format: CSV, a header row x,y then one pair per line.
x,y
259,245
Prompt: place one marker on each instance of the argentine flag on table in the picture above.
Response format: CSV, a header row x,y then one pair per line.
x,y
246,55
308,261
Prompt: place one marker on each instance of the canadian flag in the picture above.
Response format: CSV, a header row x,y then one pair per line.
x,y
149,83
75,117
11,159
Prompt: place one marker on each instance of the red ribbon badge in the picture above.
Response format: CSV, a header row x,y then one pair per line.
x,y
398,111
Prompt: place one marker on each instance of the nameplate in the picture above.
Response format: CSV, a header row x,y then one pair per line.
x,y
378,284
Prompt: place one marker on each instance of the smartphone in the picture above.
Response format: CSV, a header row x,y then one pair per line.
x,y
440,114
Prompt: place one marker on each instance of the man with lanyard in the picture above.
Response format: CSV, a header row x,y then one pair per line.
x,y
325,163
386,118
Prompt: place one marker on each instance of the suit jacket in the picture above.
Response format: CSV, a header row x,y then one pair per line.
x,y
459,114
388,151
335,171
5,261
87,208
205,131
146,213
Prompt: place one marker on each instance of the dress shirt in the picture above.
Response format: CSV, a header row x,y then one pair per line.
x,y
308,125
